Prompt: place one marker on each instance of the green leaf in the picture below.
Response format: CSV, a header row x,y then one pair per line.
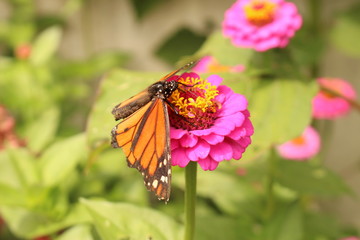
x,y
61,158
280,109
18,173
215,227
286,224
21,87
308,179
11,195
45,45
41,131
17,168
126,221
25,223
78,232
222,49
95,65
216,185
320,225
182,43
346,32
143,7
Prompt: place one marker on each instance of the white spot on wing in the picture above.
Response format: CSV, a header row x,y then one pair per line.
x,y
155,183
164,179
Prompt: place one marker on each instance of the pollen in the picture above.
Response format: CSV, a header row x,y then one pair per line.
x,y
195,103
260,12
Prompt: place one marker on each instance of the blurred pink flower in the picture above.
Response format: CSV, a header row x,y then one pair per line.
x,y
261,24
301,148
350,238
23,51
43,238
327,105
209,64
8,137
212,125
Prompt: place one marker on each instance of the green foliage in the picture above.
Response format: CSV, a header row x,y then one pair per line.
x,y
183,42
346,31
123,220
222,49
310,179
142,8
45,45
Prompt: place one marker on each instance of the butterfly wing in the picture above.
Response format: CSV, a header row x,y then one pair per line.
x,y
131,105
144,137
183,68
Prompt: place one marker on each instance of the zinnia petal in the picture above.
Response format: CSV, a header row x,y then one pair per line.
x,y
261,27
303,147
227,137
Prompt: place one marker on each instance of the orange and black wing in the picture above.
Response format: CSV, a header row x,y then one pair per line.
x,y
183,68
131,105
144,137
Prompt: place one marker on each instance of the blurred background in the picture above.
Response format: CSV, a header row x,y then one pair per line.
x,y
97,36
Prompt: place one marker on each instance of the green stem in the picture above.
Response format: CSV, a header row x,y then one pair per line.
x,y
314,9
270,201
190,200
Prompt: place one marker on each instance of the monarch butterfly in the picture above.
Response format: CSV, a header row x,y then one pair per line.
x,y
143,134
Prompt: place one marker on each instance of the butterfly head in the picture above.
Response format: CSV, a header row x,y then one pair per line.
x,y
163,89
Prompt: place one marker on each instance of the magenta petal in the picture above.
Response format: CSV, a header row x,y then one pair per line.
x,y
214,80
213,138
176,133
221,151
179,158
238,133
188,140
203,132
234,104
242,33
174,143
208,164
200,150
225,138
237,149
223,126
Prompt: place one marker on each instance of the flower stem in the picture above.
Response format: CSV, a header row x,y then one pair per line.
x,y
270,201
352,102
190,200
314,9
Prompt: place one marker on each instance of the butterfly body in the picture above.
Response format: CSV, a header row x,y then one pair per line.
x,y
161,89
144,134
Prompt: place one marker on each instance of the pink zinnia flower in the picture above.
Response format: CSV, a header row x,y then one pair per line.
x,y
8,137
23,51
350,238
209,64
301,148
261,24
328,104
212,123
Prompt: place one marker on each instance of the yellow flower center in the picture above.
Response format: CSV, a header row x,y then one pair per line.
x,y
214,66
298,141
260,12
194,101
